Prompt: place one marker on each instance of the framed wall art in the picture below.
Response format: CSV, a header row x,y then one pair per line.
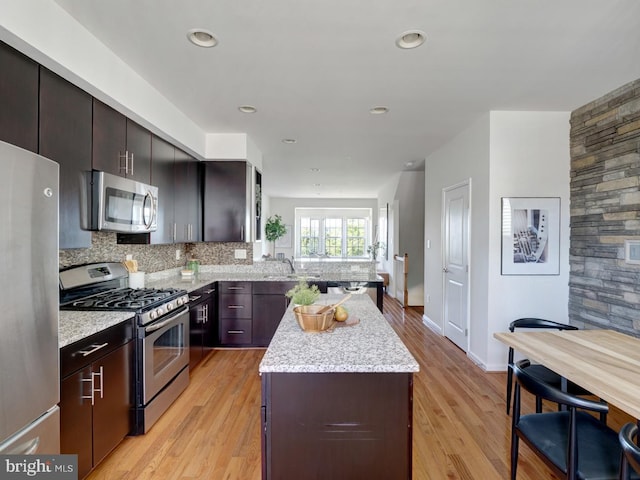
x,y
530,236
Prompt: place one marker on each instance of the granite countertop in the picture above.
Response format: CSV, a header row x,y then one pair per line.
x,y
369,346
76,325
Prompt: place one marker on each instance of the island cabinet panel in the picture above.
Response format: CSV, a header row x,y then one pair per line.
x,y
337,425
65,137
18,99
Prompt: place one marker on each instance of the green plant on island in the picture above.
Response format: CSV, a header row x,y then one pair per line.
x,y
303,293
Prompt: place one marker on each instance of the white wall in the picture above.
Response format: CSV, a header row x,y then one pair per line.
x,y
465,157
410,225
523,154
529,158
47,33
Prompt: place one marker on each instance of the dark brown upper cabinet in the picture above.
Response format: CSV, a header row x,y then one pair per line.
x,y
162,176
187,201
120,146
227,205
18,99
65,137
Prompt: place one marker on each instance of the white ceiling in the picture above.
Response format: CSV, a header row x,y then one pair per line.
x,y
313,69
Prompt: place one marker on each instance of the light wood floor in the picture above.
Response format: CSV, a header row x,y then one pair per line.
x,y
461,430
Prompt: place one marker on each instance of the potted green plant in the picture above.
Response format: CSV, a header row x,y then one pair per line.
x,y
372,250
303,293
273,230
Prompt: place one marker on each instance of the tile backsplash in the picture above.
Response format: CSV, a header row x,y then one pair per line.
x,y
154,258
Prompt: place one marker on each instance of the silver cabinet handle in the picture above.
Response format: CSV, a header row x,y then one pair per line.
x,y
194,298
101,375
124,157
131,164
95,348
90,381
206,313
175,231
235,307
235,288
207,292
235,332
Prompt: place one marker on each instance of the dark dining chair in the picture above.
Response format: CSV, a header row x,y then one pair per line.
x,y
572,442
540,372
631,452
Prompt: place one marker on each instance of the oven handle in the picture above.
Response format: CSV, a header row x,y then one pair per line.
x,y
159,325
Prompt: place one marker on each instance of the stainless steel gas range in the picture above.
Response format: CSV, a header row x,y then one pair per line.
x,y
161,369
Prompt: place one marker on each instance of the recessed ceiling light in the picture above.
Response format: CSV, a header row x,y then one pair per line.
x,y
408,164
314,169
316,184
379,110
289,140
247,109
202,38
410,39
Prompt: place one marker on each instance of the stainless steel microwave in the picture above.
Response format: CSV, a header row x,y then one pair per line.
x,y
120,204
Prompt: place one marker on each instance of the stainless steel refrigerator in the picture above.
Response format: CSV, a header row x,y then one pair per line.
x,y
29,355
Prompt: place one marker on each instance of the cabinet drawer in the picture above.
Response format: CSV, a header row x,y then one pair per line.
x,y
234,287
235,332
81,353
235,306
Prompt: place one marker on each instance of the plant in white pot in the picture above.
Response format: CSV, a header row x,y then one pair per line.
x,y
273,230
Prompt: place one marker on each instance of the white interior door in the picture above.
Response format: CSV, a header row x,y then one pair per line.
x,y
455,269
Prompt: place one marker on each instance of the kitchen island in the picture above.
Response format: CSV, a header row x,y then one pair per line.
x,y
337,404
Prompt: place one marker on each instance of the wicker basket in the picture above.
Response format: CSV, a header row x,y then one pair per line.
x,y
310,321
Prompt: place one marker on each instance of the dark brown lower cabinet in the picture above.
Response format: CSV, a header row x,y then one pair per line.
x,y
96,399
337,425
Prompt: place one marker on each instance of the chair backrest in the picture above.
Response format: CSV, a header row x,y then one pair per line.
x,y
631,451
539,323
548,392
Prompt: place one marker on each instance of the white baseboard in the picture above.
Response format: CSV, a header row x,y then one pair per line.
x,y
431,325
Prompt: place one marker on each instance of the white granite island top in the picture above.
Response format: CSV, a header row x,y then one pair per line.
x,y
370,346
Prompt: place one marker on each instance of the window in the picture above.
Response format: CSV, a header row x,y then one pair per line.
x,y
333,232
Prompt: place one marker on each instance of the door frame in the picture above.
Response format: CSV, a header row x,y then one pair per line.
x,y
467,183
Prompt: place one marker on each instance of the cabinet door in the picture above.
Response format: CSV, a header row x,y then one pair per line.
x,y
139,150
188,206
112,407
225,202
65,137
75,419
109,139
267,313
18,99
162,159
197,322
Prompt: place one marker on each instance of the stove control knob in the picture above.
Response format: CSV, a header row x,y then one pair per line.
x,y
180,301
159,312
169,307
153,315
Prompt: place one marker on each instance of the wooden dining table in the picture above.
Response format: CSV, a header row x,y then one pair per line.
x,y
605,362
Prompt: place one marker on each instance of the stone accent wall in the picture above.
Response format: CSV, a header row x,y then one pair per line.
x,y
154,258
605,211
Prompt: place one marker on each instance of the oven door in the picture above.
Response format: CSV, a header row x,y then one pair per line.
x,y
165,351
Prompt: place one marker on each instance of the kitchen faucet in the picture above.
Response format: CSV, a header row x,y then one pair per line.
x,y
286,260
